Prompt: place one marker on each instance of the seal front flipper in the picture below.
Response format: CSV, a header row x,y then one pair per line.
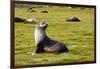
x,y
39,48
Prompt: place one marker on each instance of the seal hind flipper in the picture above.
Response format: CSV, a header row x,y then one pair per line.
x,y
58,47
39,48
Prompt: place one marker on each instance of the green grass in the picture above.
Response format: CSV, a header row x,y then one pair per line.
x,y
78,36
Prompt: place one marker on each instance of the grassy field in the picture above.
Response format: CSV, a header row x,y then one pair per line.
x,y
78,36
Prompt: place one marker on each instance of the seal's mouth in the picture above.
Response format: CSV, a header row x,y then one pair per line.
x,y
46,25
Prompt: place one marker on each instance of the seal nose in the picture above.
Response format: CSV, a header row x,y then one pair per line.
x,y
46,24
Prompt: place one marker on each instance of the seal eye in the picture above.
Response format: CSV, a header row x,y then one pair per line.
x,y
43,23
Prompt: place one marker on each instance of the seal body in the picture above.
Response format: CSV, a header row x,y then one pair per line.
x,y
31,21
46,44
18,19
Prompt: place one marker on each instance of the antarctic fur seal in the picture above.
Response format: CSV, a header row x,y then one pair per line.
x,y
46,44
73,19
44,11
18,19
